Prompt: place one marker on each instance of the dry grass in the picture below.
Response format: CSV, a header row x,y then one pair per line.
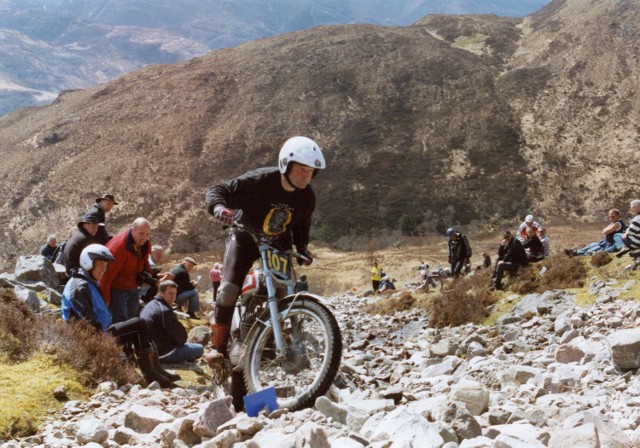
x,y
600,259
390,305
561,272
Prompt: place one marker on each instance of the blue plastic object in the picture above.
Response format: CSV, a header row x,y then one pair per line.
x,y
257,401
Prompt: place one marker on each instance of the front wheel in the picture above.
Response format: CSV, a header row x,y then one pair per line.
x,y
312,358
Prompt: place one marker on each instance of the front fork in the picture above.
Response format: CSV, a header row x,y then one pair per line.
x,y
274,314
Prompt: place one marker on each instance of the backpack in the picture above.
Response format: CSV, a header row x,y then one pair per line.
x,y
58,254
466,243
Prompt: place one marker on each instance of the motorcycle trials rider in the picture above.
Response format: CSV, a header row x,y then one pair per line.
x,y
277,204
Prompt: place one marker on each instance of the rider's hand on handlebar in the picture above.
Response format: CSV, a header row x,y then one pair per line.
x,y
308,257
224,215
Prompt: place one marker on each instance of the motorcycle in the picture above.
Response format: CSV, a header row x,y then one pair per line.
x,y
289,341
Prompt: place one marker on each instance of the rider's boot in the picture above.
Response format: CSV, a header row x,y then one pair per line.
x,y
220,333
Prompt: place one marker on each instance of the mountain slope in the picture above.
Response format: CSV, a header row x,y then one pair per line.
x,y
455,120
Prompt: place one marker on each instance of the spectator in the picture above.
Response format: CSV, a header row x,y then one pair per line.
x,y
277,204
48,249
85,235
215,275
102,206
612,241
486,260
528,222
631,236
546,243
459,251
513,257
533,246
187,291
81,299
149,289
165,329
387,285
301,284
120,285
376,276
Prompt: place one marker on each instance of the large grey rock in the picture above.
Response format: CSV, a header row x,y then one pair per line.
x,y
91,430
143,419
473,394
584,436
199,335
625,348
211,417
402,426
35,268
28,297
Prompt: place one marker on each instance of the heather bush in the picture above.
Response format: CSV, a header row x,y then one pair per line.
x,y
78,345
557,272
463,300
601,259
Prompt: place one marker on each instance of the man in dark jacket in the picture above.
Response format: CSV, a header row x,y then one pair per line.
x,y
459,251
533,246
165,329
277,204
49,249
85,235
103,205
187,291
514,257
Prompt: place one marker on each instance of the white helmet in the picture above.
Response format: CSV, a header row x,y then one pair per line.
x,y
94,252
302,150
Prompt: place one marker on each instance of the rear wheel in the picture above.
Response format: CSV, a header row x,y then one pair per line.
x,y
312,358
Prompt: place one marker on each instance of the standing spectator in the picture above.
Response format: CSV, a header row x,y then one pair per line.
x,y
528,223
631,236
514,257
215,275
612,241
301,284
102,206
376,276
459,251
48,249
546,243
121,284
533,246
187,291
81,299
165,329
85,235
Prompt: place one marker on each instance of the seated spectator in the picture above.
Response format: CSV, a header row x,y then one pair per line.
x,y
82,299
533,246
612,241
301,284
48,249
386,285
84,236
149,287
631,237
528,223
165,329
513,256
187,291
546,242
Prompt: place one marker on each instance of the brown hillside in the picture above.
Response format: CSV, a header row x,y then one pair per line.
x,y
419,121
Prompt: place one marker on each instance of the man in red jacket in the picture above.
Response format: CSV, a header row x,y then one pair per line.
x,y
120,284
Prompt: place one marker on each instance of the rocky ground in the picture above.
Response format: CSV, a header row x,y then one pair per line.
x,y
549,374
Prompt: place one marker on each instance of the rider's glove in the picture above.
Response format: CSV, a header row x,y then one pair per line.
x,y
224,215
301,261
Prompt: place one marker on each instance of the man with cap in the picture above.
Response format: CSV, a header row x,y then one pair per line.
x,y
85,235
103,205
514,257
187,291
527,224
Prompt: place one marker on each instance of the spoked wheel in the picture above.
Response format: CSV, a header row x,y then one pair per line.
x,y
311,361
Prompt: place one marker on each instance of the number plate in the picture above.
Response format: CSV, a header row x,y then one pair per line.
x,y
279,264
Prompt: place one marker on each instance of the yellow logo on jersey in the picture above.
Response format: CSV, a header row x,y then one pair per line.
x,y
276,221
